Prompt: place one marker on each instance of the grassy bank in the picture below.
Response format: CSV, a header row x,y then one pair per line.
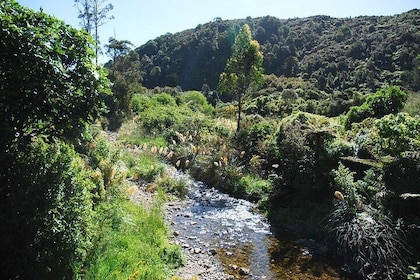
x,y
133,244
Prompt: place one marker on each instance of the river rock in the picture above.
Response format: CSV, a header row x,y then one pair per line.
x,y
244,271
233,266
213,251
196,250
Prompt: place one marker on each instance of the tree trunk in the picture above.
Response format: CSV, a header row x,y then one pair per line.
x,y
238,127
97,19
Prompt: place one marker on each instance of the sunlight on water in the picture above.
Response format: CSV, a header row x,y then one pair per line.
x,y
243,239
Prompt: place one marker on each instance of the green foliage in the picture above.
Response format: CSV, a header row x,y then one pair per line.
x,y
363,53
161,118
385,101
300,151
397,133
104,158
357,114
50,84
254,187
244,68
125,76
164,99
133,244
372,245
144,166
254,137
47,216
140,103
244,71
177,187
196,101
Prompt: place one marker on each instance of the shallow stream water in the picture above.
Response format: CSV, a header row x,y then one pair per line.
x,y
242,239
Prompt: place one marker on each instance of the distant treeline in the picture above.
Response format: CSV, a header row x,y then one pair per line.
x,y
362,53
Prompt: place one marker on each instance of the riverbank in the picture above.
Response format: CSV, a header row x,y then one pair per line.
x,y
200,262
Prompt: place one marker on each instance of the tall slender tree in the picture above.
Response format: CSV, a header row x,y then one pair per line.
x,y
244,71
94,14
117,48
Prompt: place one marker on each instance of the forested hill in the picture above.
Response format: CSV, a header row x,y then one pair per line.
x,y
335,53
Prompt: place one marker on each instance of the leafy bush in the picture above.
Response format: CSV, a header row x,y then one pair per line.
x,y
357,114
254,135
397,133
385,101
140,103
50,84
164,99
196,101
300,151
160,119
47,219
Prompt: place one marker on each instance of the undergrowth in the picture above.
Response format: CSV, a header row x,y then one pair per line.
x,y
133,244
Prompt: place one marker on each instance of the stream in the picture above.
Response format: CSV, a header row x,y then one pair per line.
x,y
242,239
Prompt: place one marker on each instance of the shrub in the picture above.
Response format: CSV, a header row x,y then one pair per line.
x,y
140,103
164,99
254,135
159,119
300,151
397,133
48,214
196,101
49,82
385,101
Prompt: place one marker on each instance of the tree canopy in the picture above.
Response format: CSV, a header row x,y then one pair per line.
x,y
93,14
364,53
49,82
244,69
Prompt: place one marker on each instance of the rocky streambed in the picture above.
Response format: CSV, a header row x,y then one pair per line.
x,y
226,238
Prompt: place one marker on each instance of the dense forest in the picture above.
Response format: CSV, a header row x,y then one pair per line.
x,y
361,53
328,143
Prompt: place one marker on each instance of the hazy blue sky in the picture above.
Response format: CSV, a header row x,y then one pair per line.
x,y
141,20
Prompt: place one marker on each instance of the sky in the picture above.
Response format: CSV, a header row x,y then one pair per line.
x,y
142,20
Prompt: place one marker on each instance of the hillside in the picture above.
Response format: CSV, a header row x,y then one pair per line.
x,y
362,53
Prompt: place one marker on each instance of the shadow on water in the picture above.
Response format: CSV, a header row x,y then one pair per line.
x,y
244,241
